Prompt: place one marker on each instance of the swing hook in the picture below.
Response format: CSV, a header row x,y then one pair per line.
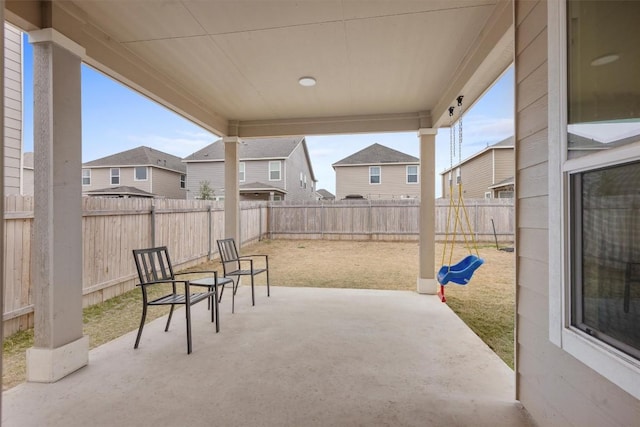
x,y
451,109
460,100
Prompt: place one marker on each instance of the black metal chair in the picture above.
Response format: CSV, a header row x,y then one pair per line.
x,y
154,268
235,266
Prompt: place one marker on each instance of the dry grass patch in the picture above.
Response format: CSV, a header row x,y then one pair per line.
x,y
486,304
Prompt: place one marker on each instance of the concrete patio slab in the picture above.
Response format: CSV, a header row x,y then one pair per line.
x,y
303,357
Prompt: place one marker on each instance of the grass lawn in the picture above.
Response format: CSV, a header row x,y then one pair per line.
x,y
487,304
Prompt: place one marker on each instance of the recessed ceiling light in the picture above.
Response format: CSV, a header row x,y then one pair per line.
x,y
307,81
605,59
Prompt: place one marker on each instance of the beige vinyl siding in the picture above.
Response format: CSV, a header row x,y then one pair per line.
x,y
296,163
554,387
477,176
198,172
393,182
504,164
166,183
258,171
13,109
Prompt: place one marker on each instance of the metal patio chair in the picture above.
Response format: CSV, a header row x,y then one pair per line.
x,y
236,266
154,268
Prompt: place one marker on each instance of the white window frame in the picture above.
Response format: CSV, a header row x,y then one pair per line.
x,y
87,177
278,169
301,174
183,180
135,173
488,194
112,176
379,175
242,169
417,174
305,181
618,367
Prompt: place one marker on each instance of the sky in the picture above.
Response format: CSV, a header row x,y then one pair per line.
x,y
116,118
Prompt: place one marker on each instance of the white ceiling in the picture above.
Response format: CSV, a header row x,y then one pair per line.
x,y
233,66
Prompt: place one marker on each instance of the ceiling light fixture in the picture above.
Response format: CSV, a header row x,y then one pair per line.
x,y
605,59
307,81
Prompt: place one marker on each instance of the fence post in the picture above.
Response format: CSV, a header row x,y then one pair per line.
x,y
476,220
153,226
322,221
260,223
210,231
370,221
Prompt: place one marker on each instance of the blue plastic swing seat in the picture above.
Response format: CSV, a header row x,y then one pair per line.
x,y
461,272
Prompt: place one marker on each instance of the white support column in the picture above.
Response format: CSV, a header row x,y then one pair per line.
x,y
59,346
232,189
426,280
2,192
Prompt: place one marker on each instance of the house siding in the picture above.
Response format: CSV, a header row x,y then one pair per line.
x,y
296,163
167,184
198,172
393,182
477,176
13,110
554,387
504,164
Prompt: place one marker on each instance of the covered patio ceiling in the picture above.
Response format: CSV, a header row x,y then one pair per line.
x,y
233,66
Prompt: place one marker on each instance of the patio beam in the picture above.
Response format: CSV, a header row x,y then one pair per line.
x,y
426,280
406,122
59,346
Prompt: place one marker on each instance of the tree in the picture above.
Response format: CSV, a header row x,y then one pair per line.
x,y
205,192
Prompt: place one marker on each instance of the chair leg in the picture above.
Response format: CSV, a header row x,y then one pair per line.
x,y
216,307
268,295
144,316
188,314
253,296
169,319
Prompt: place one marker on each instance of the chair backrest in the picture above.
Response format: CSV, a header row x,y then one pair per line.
x,y
153,264
228,255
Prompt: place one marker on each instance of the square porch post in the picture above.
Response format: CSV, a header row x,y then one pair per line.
x,y
59,346
232,189
426,280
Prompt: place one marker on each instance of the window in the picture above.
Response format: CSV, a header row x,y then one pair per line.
x,y
86,176
487,195
115,176
305,181
183,181
374,174
277,198
274,170
301,180
594,287
412,174
140,173
241,172
505,194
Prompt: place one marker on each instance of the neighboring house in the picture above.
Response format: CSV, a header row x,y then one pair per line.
x,y
13,111
487,174
27,173
325,195
143,168
270,169
120,191
378,172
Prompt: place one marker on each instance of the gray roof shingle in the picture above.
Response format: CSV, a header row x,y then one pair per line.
x,y
141,156
376,154
259,148
122,190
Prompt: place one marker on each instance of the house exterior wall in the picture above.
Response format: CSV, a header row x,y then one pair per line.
x,y
393,182
159,181
297,163
504,164
553,386
477,176
13,110
198,172
166,183
27,181
255,171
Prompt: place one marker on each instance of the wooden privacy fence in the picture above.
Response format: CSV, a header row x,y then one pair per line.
x,y
385,220
111,229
